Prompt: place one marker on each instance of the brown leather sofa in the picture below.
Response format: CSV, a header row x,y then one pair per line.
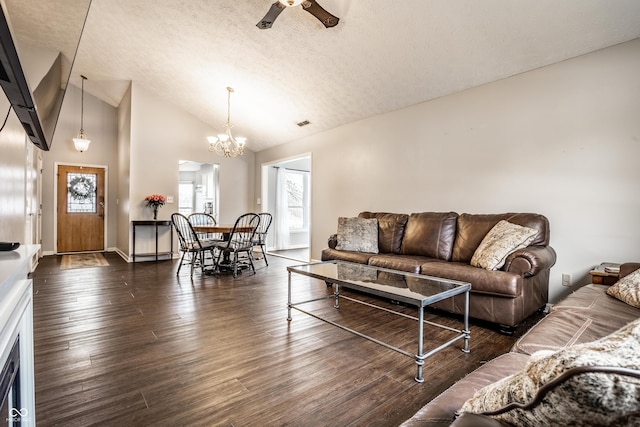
x,y
442,244
583,316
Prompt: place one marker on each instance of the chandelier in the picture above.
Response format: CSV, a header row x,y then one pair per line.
x,y
225,144
81,142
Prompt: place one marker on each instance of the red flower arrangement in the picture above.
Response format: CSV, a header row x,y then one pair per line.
x,y
155,200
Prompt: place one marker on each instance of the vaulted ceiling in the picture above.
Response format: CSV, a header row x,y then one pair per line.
x,y
382,56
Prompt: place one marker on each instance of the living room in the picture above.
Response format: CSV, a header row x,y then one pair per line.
x,y
558,140
561,140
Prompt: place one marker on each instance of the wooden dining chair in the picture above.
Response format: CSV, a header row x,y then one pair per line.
x,y
240,241
260,239
193,249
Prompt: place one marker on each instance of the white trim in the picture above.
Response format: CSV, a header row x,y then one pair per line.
x,y
290,248
16,320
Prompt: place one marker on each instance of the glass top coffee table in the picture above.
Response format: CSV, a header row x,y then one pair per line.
x,y
412,289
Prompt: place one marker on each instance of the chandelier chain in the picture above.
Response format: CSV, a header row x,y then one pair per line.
x,y
229,90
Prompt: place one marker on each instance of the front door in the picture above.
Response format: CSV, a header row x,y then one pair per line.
x,y
80,209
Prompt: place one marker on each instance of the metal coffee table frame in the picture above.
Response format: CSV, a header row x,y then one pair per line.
x,y
420,301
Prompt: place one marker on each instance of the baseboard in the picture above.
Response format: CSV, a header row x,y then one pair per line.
x,y
124,256
128,258
290,248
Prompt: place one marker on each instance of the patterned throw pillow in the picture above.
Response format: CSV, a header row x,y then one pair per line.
x,y
358,235
587,399
499,242
627,289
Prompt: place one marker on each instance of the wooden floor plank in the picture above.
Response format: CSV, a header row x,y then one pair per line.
x,y
134,344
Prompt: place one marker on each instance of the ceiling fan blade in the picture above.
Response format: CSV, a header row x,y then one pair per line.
x,y
327,19
271,16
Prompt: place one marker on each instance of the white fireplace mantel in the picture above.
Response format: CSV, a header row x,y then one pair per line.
x,y
16,319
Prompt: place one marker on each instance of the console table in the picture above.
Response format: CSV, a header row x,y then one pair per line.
x,y
156,224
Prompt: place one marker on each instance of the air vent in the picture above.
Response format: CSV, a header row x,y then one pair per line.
x,y
304,123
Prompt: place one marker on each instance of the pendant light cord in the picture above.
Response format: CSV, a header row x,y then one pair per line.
x,y
82,106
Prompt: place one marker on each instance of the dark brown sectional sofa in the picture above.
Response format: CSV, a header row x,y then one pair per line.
x,y
584,316
442,244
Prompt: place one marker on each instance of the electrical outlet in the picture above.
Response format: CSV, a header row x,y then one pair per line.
x,y
169,199
566,279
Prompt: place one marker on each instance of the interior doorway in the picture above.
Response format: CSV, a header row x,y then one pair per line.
x,y
80,209
198,188
286,194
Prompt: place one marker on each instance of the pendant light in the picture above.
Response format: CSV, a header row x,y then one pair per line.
x,y
81,142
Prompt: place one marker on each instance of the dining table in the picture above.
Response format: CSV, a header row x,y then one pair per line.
x,y
225,230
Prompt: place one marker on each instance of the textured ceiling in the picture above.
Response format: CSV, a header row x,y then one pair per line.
x,y
382,56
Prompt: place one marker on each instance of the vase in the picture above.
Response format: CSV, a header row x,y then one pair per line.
x,y
155,212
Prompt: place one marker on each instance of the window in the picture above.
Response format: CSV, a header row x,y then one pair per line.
x,y
185,197
81,194
298,199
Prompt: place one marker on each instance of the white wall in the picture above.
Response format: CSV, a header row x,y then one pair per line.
x,y
161,135
17,182
563,141
12,177
100,125
140,142
124,170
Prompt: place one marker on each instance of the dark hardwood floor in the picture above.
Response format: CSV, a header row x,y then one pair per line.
x,y
136,345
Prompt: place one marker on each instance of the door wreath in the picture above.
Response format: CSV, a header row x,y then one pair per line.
x,y
81,188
